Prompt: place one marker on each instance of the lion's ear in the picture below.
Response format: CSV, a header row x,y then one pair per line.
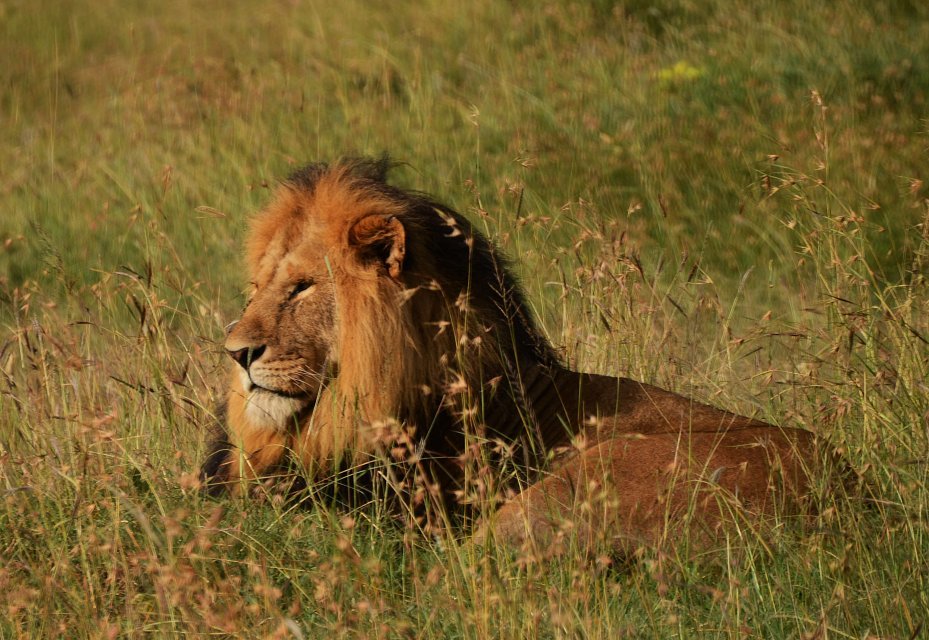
x,y
380,238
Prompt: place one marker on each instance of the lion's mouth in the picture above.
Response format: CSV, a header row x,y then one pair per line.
x,y
300,394
293,395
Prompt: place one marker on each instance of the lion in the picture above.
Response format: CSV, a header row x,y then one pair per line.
x,y
380,316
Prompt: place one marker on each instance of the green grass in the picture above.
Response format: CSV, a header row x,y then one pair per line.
x,y
724,200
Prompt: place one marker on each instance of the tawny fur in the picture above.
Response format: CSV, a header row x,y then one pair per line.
x,y
375,306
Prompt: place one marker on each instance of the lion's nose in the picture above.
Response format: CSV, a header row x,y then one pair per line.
x,y
246,356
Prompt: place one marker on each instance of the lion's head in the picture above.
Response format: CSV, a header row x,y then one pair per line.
x,y
368,303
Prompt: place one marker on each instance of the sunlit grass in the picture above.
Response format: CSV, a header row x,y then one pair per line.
x,y
723,200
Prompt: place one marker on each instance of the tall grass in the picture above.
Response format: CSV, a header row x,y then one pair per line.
x,y
724,200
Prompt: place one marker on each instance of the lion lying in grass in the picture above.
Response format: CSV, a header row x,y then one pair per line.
x,y
380,316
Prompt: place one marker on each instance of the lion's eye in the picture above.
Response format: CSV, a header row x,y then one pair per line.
x,y
300,287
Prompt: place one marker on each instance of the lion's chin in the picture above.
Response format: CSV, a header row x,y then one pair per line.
x,y
268,409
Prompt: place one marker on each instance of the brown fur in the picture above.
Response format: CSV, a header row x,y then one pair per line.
x,y
378,311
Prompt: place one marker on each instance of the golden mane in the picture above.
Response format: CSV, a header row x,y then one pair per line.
x,y
402,344
379,349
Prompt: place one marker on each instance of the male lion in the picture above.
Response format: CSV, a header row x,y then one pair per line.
x,y
379,316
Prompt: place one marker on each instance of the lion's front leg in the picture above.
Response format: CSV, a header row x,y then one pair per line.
x,y
227,465
241,451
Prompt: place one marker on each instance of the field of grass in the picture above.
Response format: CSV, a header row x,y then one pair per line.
x,y
725,200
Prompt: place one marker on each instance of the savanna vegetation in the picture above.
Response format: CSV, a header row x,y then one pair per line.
x,y
726,199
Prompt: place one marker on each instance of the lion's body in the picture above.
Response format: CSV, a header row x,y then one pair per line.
x,y
380,314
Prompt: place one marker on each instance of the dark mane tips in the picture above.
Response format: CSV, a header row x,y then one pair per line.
x,y
306,177
365,172
467,260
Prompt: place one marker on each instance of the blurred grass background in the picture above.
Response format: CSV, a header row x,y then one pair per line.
x,y
724,199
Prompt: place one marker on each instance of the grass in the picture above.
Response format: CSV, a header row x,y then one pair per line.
x,y
724,200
